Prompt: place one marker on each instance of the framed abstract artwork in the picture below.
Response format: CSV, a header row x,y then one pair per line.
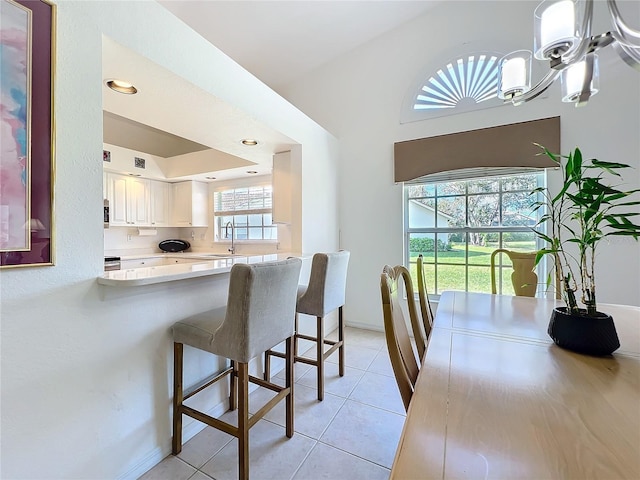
x,y
27,43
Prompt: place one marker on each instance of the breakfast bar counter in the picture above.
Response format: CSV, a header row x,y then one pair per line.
x,y
198,265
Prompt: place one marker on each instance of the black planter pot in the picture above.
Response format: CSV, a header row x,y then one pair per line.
x,y
582,334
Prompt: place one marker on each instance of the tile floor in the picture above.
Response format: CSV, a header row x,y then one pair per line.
x,y
353,433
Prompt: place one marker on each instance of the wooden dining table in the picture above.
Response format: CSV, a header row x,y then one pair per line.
x,y
495,398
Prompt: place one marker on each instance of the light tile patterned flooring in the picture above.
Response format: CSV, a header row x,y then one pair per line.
x,y
353,433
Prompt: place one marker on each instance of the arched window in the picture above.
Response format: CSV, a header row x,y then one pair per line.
x,y
466,83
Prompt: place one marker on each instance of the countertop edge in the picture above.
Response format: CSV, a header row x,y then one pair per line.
x,y
108,279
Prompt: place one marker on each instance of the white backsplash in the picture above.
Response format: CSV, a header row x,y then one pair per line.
x,y
121,241
128,241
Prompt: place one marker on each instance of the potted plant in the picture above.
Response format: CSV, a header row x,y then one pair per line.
x,y
585,211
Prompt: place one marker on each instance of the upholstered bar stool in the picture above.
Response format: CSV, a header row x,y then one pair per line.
x,y
259,314
324,294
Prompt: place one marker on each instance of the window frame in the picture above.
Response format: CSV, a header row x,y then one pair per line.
x,y
219,228
541,181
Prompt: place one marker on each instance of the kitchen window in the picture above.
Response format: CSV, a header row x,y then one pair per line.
x,y
249,210
456,225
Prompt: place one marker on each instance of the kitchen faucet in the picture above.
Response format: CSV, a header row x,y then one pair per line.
x,y
226,235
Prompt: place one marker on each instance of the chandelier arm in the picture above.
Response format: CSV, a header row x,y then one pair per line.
x,y
622,40
630,35
629,55
583,46
538,89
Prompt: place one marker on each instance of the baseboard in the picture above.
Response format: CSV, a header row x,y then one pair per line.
x,y
364,326
159,453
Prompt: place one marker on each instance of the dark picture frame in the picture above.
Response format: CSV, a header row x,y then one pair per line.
x,y
39,137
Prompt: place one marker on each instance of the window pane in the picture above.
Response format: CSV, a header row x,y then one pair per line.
x,y
241,233
479,279
422,243
481,254
484,185
520,182
451,212
255,233
483,210
240,220
241,201
256,197
267,219
454,250
519,241
517,209
451,277
271,233
451,188
255,220
427,190
422,213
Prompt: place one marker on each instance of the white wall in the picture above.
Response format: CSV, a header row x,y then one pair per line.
x,y
358,97
86,369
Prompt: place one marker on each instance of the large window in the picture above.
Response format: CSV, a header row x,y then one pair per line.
x,y
456,225
248,210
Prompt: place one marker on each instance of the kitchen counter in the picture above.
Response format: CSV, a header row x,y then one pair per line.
x,y
199,265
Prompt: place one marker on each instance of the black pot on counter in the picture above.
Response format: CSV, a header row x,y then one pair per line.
x,y
174,245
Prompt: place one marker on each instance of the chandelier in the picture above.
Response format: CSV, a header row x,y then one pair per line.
x,y
562,36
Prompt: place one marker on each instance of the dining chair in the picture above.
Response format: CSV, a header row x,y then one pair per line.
x,y
259,314
423,296
401,353
523,278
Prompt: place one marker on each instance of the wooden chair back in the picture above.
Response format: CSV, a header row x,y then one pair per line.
x,y
523,278
425,304
401,353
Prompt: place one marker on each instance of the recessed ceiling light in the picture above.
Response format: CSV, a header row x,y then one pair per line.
x,y
251,172
250,142
121,86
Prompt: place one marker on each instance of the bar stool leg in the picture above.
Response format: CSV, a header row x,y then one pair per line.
x,y
233,386
320,357
176,441
295,337
289,384
267,367
341,340
243,420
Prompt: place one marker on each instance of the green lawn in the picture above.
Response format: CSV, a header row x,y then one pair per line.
x,y
451,268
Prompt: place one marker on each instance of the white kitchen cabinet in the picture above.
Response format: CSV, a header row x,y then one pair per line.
x,y
189,204
129,200
282,182
160,202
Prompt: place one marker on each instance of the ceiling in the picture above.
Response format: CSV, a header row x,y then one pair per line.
x,y
280,41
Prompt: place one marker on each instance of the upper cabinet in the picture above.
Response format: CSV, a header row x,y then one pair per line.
x,y
189,204
129,200
160,203
282,188
141,202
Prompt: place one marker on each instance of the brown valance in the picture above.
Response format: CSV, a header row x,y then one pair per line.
x,y
503,146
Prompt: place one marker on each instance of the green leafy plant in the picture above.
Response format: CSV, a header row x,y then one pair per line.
x,y
585,211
